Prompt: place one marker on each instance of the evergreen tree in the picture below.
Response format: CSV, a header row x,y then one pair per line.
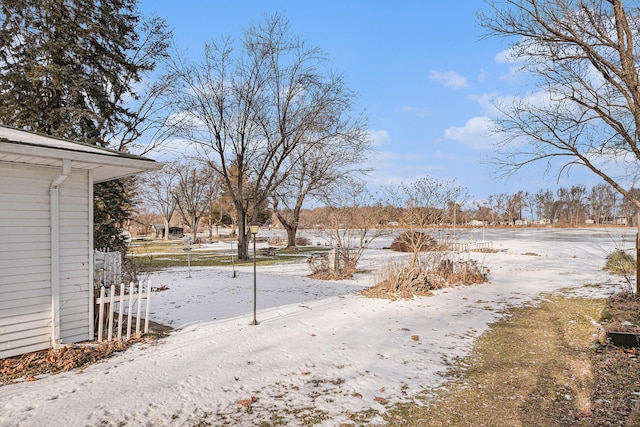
x,y
68,68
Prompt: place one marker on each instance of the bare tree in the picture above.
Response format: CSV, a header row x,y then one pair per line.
x,y
583,55
160,192
514,206
544,202
318,166
425,204
192,194
601,202
248,109
352,221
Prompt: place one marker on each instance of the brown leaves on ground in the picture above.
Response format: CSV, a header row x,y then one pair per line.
x,y
381,400
247,402
30,365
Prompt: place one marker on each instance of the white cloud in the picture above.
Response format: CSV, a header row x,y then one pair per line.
x,y
486,101
475,133
504,57
414,111
379,137
449,78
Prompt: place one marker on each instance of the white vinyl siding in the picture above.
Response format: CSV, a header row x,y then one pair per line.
x,y
25,258
74,258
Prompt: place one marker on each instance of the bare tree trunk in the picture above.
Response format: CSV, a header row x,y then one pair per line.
x,y
243,235
291,227
194,228
291,234
166,229
638,255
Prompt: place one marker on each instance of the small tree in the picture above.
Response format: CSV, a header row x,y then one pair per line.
x,y
161,192
352,223
192,194
425,208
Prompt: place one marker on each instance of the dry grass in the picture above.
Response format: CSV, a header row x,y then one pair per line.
x,y
537,367
437,270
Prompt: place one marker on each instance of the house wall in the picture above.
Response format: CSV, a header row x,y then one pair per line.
x,y
25,258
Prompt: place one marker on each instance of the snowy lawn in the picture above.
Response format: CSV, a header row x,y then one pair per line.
x,y
321,350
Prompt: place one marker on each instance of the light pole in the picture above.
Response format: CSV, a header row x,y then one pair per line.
x,y
254,226
233,265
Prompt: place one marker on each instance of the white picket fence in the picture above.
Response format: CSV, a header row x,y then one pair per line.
x,y
131,302
467,246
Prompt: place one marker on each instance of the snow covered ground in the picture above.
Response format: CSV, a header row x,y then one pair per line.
x,y
320,347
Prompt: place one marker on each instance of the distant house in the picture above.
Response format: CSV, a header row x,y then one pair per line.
x,y
157,231
543,221
46,236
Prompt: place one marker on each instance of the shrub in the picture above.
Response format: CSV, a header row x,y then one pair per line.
x,y
620,262
277,241
400,280
302,241
410,240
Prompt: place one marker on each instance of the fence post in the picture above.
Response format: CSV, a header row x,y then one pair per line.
x,y
101,314
130,308
112,298
120,309
146,315
139,306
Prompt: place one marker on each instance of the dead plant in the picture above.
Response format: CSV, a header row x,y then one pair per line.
x,y
434,271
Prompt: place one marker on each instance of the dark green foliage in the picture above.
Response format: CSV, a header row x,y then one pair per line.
x,y
68,68
111,207
65,66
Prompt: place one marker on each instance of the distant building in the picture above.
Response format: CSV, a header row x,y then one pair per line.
x,y
157,231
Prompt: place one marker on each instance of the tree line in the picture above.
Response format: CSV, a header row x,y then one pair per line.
x,y
190,195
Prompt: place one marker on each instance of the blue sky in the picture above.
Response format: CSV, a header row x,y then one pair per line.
x,y
423,74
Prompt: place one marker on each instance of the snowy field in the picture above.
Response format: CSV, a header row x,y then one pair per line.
x,y
320,347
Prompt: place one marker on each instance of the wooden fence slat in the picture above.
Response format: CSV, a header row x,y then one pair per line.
x,y
120,311
101,314
130,309
139,307
112,298
111,301
146,314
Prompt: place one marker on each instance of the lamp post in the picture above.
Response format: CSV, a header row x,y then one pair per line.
x,y
233,264
254,226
